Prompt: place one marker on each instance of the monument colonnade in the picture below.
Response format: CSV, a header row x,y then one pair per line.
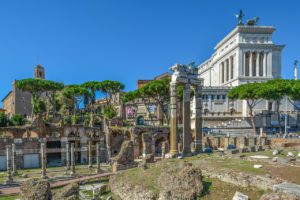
x,y
188,77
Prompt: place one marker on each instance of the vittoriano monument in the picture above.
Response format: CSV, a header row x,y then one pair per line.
x,y
186,75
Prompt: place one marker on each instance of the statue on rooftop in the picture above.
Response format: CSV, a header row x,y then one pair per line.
x,y
252,22
240,18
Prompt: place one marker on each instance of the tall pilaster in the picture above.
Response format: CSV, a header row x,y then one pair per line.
x,y
14,159
198,119
43,160
264,64
90,154
226,71
9,178
173,128
187,137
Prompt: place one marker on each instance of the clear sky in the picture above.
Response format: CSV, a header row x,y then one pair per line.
x,y
127,40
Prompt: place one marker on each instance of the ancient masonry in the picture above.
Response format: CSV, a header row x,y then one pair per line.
x,y
187,76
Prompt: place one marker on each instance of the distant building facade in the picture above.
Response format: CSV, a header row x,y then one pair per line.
x,y
18,101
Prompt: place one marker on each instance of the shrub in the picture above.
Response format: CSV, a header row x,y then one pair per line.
x,y
17,120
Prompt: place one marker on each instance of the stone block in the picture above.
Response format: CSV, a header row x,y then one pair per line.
x,y
240,196
233,151
259,148
252,149
288,188
243,150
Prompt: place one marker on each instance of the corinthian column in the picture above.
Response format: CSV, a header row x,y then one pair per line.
x,y
257,63
173,128
14,159
250,64
186,121
198,119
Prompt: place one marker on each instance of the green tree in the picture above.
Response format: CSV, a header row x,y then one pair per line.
x,y
37,87
249,93
155,92
89,100
275,90
3,119
72,97
17,120
110,88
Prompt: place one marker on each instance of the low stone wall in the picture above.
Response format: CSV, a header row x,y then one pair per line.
x,y
284,143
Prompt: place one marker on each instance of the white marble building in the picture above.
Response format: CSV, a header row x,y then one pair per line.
x,y
247,54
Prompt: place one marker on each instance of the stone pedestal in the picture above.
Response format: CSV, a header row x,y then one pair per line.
x,y
9,178
173,128
14,159
98,170
187,136
43,160
90,154
72,172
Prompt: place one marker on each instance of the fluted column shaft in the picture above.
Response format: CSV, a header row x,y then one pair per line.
x,y
173,128
186,120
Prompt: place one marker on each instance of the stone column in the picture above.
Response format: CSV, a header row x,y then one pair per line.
x,y
43,160
198,119
250,64
244,63
14,159
173,128
229,68
68,156
257,63
72,160
98,170
265,65
90,154
9,178
187,137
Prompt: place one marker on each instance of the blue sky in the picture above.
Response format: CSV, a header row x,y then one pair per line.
x,y
81,40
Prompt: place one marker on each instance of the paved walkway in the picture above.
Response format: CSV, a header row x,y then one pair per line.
x,y
16,190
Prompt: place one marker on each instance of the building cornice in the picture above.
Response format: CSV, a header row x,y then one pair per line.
x,y
246,29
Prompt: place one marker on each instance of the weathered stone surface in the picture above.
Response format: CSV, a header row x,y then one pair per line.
x,y
239,196
69,192
125,159
279,196
241,179
186,183
35,189
288,188
128,191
